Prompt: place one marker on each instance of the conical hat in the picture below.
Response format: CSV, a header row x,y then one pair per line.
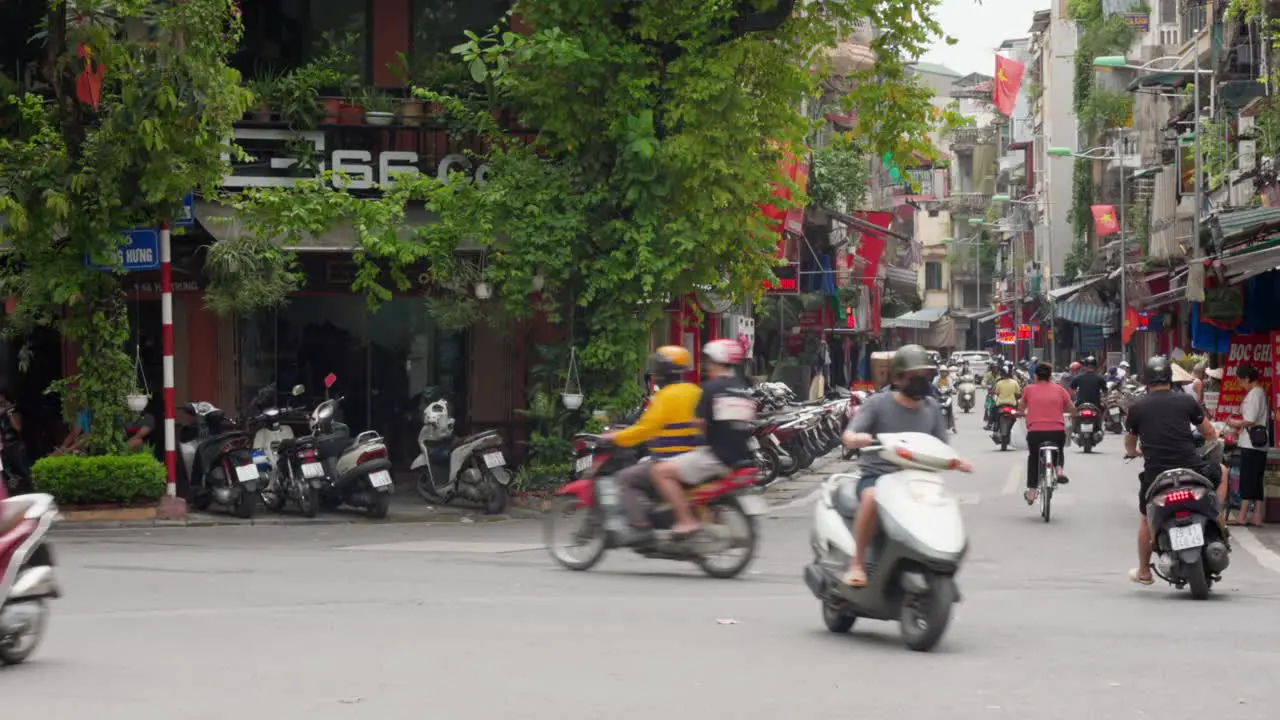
x,y
1180,376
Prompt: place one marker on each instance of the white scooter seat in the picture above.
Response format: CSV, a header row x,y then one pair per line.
x,y
845,499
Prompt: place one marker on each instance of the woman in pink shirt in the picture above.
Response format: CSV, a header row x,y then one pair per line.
x,y
1043,404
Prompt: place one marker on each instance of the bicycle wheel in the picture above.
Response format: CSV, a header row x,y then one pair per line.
x,y
1046,490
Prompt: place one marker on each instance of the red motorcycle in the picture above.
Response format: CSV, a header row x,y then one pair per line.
x,y
587,518
27,579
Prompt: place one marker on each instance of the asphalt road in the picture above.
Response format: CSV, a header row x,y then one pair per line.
x,y
474,621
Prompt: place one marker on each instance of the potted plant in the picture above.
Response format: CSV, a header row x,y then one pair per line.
x,y
379,108
266,91
411,110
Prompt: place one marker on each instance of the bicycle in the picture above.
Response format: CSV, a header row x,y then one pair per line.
x,y
1048,479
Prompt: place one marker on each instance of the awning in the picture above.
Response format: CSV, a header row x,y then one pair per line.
x,y
1065,292
1083,313
1242,224
991,315
918,320
904,282
1251,261
1160,80
221,222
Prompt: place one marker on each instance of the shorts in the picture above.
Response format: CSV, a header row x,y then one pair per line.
x,y
1213,471
698,466
1253,469
866,481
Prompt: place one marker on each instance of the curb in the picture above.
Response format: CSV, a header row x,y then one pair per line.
x,y
288,521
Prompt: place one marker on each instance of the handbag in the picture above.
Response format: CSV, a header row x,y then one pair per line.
x,y
1260,435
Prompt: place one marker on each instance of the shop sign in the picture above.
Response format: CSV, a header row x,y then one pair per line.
x,y
787,283
140,252
1139,21
1254,349
153,288
363,170
1024,332
1004,337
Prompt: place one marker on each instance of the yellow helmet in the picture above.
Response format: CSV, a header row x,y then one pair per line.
x,y
670,360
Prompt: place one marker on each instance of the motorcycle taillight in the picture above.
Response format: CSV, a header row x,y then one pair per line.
x,y
307,454
581,446
377,453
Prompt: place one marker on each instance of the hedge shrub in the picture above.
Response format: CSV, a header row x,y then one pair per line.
x,y
100,479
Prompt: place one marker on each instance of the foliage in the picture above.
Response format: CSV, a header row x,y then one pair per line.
x,y
100,479
661,126
1082,196
1103,111
1215,151
1139,216
551,428
839,177
72,177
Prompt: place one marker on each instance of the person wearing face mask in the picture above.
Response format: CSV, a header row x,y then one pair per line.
x,y
907,408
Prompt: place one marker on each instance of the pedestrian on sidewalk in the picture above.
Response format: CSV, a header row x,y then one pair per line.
x,y
1254,440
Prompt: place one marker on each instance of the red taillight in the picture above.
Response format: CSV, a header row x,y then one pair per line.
x,y
1182,513
1086,413
581,445
1179,496
307,454
1007,410
378,453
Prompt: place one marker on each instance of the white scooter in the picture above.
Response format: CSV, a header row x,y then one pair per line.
x,y
913,561
471,467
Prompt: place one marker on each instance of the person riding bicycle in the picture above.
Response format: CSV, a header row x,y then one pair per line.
x,y
1006,392
907,409
725,414
1160,429
1043,404
668,425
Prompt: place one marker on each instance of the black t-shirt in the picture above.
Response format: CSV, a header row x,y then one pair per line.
x,y
1089,388
728,410
1162,420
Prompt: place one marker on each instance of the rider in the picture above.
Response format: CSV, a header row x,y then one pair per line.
x,y
943,381
1162,422
907,409
1088,388
1006,392
1073,371
667,425
725,413
1044,403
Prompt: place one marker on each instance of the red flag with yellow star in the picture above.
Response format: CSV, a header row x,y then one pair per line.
x,y
1104,220
1004,90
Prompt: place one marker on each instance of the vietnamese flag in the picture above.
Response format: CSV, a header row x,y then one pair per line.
x,y
1104,220
1004,91
1131,321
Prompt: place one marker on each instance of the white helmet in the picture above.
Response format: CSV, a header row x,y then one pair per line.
x,y
723,352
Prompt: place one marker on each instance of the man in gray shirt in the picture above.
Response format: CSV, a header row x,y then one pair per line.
x,y
907,407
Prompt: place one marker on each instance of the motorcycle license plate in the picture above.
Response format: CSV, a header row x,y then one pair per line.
x,y
494,460
753,444
379,479
1186,537
753,504
583,463
312,470
1115,411
246,473
1086,427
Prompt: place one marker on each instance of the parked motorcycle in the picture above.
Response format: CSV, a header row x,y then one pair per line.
x,y
219,462
912,562
1188,544
472,467
356,472
587,518
291,465
967,392
1006,416
27,579
1087,428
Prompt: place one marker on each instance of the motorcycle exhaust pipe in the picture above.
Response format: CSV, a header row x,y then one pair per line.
x,y
1216,557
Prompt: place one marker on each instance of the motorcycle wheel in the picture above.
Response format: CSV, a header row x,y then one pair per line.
x,y
201,500
18,651
426,489
836,621
246,503
329,504
497,496
925,617
274,501
588,533
378,509
728,512
308,500
1198,581
768,468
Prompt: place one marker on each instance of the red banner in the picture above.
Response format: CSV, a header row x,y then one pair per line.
x,y
1004,91
1254,349
1104,220
871,246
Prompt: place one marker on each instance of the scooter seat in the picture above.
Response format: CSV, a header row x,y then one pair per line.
x,y
846,499
459,441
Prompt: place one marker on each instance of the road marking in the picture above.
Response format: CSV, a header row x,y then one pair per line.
x,y
1266,557
1014,483
446,546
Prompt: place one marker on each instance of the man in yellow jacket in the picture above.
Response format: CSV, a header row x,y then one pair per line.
x,y
668,426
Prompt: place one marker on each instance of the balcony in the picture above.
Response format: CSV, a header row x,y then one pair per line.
x,y
969,204
963,139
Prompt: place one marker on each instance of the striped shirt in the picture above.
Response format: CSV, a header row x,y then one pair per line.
x,y
669,423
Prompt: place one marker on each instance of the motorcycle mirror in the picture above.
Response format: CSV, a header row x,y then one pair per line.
x,y
329,380
299,390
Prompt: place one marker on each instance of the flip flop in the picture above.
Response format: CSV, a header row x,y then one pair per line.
x,y
855,579
1133,577
1030,496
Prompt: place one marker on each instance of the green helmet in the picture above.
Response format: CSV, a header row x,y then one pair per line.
x,y
910,357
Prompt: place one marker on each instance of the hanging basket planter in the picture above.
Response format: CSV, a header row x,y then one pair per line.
x,y
572,396
137,402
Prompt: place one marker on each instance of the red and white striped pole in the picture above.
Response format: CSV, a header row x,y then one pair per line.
x,y
172,505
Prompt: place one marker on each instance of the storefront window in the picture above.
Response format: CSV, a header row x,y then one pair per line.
x,y
284,34
438,25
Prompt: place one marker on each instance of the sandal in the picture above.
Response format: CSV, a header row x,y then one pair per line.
x,y
1030,496
855,578
1134,577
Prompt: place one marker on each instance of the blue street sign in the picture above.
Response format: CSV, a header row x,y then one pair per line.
x,y
141,252
187,216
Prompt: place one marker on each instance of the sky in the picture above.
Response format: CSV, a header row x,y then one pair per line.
x,y
980,30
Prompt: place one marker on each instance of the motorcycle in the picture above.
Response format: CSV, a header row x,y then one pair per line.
x,y
913,560
471,467
356,472
1189,545
1006,416
1117,405
1087,428
291,465
727,510
968,391
27,579
219,462
946,397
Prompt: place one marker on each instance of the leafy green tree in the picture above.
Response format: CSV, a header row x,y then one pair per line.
x,y
661,124
74,174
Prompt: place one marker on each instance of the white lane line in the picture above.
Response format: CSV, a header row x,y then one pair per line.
x,y
1013,485
1266,557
